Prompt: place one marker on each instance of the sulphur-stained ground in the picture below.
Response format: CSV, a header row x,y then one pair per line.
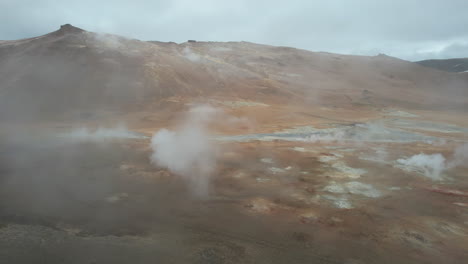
x,y
115,150
320,190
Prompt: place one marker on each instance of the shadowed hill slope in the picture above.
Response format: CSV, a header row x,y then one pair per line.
x,y
449,65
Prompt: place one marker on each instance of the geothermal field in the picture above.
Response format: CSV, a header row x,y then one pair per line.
x,y
115,150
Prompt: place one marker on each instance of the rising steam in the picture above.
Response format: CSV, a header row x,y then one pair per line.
x,y
433,166
189,150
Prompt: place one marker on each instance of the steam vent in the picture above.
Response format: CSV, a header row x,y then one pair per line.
x,y
117,150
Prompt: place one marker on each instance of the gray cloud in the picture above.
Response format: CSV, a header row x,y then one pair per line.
x,y
409,29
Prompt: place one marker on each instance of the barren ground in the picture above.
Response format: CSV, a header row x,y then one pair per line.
x,y
312,176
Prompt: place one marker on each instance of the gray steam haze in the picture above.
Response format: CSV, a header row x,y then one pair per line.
x,y
101,133
190,149
408,29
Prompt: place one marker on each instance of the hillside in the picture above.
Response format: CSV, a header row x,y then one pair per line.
x,y
75,71
116,150
448,65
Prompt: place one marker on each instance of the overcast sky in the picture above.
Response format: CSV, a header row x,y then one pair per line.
x,y
408,29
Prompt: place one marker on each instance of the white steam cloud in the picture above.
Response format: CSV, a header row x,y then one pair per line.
x,y
429,165
434,165
190,150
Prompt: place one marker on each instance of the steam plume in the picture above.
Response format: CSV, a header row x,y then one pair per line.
x,y
189,151
434,165
429,165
